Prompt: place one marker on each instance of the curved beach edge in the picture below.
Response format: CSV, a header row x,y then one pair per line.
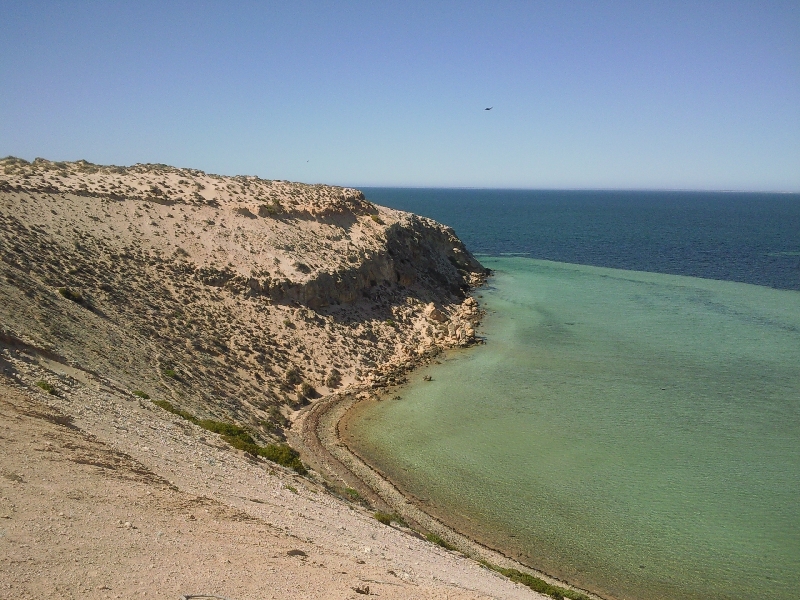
x,y
315,432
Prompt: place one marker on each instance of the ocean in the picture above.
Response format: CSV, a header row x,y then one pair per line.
x,y
746,237
632,424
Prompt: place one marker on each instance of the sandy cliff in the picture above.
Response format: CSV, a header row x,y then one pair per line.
x,y
233,297
235,302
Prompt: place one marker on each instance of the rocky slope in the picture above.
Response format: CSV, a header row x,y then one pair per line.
x,y
235,298
107,496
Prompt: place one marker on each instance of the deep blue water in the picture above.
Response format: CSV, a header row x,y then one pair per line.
x,y
630,431
746,237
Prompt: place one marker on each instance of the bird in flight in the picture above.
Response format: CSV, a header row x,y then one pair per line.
x,y
490,108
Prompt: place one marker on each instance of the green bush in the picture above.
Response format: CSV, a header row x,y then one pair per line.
x,y
175,411
285,455
141,394
167,406
240,438
171,373
224,428
435,539
383,517
537,584
389,518
46,387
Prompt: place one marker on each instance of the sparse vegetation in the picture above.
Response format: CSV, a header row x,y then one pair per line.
x,y
537,584
389,518
439,541
206,333
240,438
46,387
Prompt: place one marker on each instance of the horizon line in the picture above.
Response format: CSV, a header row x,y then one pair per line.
x,y
454,187
576,189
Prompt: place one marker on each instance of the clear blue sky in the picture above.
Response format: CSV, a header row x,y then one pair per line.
x,y
700,95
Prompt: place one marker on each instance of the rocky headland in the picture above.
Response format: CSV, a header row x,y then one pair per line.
x,y
160,331
232,296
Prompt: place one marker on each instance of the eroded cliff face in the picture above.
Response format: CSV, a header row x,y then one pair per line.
x,y
233,297
415,252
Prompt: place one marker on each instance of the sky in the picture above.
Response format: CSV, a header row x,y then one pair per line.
x,y
633,95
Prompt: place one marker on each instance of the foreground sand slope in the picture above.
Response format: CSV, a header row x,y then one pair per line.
x,y
109,497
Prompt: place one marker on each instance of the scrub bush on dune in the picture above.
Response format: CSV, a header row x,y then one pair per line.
x,y
240,438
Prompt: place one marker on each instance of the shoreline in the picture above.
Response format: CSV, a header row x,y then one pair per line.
x,y
317,433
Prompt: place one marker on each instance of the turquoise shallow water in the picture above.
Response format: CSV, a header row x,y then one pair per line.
x,y
635,433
